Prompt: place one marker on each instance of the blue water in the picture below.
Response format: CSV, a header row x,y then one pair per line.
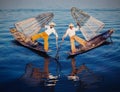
x,y
103,62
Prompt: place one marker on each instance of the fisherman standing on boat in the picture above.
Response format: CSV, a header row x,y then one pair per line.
x,y
45,35
71,32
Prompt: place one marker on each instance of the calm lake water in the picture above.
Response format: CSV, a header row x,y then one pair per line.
x,y
23,70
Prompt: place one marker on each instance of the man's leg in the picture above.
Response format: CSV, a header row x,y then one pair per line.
x,y
72,45
80,41
37,36
45,38
46,44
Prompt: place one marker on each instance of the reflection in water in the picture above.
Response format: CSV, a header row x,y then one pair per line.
x,y
37,76
83,77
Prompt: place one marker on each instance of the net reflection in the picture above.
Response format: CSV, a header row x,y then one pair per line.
x,y
35,76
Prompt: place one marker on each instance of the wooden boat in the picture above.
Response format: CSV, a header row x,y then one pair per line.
x,y
23,31
90,28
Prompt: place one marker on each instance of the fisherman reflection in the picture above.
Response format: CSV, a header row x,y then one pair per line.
x,y
36,76
83,76
75,70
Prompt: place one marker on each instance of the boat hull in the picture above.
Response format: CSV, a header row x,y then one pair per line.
x,y
26,42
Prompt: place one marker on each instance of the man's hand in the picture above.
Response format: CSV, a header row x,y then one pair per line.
x,y
56,38
78,24
62,38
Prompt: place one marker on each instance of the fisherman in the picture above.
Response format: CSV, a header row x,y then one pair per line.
x,y
45,35
71,32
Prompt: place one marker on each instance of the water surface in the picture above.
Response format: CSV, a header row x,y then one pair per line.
x,y
103,63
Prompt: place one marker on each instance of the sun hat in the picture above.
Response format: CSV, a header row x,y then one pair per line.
x,y
52,23
71,25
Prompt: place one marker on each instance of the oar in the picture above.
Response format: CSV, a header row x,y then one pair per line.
x,y
58,48
56,58
57,44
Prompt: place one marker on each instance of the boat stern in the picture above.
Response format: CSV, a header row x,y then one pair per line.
x,y
110,31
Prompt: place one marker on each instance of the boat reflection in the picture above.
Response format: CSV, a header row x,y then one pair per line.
x,y
37,76
83,77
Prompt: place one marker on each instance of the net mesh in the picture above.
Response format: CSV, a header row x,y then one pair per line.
x,y
33,25
90,27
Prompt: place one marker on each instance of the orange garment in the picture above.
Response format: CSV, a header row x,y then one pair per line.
x,y
43,35
79,40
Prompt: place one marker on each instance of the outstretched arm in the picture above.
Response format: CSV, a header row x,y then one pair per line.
x,y
55,33
78,27
65,35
